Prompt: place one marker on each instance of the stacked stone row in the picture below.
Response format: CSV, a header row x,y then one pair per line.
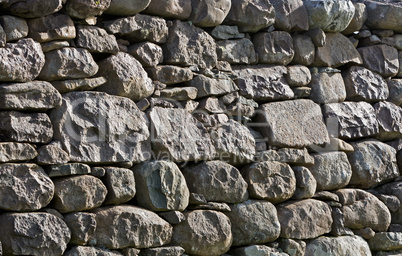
x,y
178,127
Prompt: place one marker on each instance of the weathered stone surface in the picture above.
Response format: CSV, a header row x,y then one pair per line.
x,y
381,58
389,118
395,91
399,75
94,127
327,87
340,246
169,74
2,37
52,154
348,120
132,227
256,250
14,27
120,184
35,95
290,15
253,222
163,251
208,86
33,9
127,7
179,136
82,226
147,53
274,47
174,9
272,181
263,82
173,217
139,28
334,144
259,14
161,186
21,62
295,156
304,219
224,32
125,77
386,241
217,181
330,16
16,152
90,251
239,51
20,127
292,247
209,13
179,93
54,45
358,19
298,76
304,50
78,193
24,187
296,123
85,84
82,9
373,163
51,27
61,170
188,45
96,40
384,15
337,51
204,232
393,189
306,184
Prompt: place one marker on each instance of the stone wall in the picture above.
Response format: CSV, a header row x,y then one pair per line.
x,y
202,127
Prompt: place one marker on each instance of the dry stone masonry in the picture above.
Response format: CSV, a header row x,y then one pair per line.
x,y
200,127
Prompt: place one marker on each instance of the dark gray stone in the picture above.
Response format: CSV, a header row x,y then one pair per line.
x,y
389,118
209,13
173,9
382,59
33,8
290,15
274,47
127,7
82,226
14,27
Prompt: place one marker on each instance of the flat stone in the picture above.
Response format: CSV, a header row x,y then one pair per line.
x,y
169,74
60,170
52,154
327,88
209,13
238,51
304,50
14,27
90,251
389,117
384,15
127,7
51,27
120,184
179,93
207,86
215,206
342,246
16,152
224,32
334,144
298,76
382,59
274,47
163,251
82,226
173,9
290,15
395,91
54,45
96,40
358,20
33,9
147,53
85,84
82,9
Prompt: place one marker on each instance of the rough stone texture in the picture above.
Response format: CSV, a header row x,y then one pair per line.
x,y
256,250
96,40
125,77
82,226
21,61
358,19
51,27
163,251
272,181
90,251
384,15
306,184
61,170
381,58
224,32
20,127
296,123
52,154
330,16
179,136
94,127
253,222
304,219
389,118
373,163
204,232
19,234
386,241
179,94
34,8
290,15
2,37
274,48
173,217
327,88
82,9
127,7
147,53
188,45
209,13
132,227
239,51
217,181
16,152
295,156
35,95
207,86
292,247
395,91
393,189
78,193
169,74
298,76
251,15
14,27
174,9
304,50
339,246
85,84
161,186
120,184
348,120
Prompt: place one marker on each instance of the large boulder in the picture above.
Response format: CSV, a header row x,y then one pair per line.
x,y
127,7
290,15
94,127
173,9
381,58
274,47
33,8
339,246
209,13
384,15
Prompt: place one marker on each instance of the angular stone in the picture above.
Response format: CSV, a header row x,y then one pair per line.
x,y
340,246
51,27
358,19
34,233
82,226
224,32
381,58
161,186
139,28
169,74
274,47
330,16
2,37
373,163
389,118
163,251
207,86
52,154
239,51
395,91
14,27
173,217
127,7
253,222
327,88
85,84
33,9
179,136
295,156
16,152
21,62
306,184
133,227
173,9
318,36
54,45
204,232
337,51
292,247
20,127
296,123
263,82
221,207
384,15
147,53
290,15
31,96
188,45
209,13
78,193
61,170
96,40
120,184
82,9
179,93
386,241
393,189
304,50
94,127
256,250
298,76
272,181
90,251
349,120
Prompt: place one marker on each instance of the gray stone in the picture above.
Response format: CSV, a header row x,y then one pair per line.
x,y
209,13
393,40
253,222
292,247
2,37
161,186
85,84
127,7
31,96
386,241
163,251
224,32
173,9
94,127
339,246
51,27
78,193
389,118
54,45
173,217
260,14
238,51
208,86
305,219
373,163
296,123
366,233
120,184
304,50
290,15
335,144
358,19
52,154
298,76
82,9
82,226
169,74
179,93
96,40
349,120
256,250
188,45
327,88
384,15
33,9
90,251
133,227
399,75
318,36
21,62
221,207
34,233
395,91
24,187
394,189
60,170
217,181
306,184
203,233
16,152
20,127
272,181
382,59
14,27
302,92
147,53
295,156
274,47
